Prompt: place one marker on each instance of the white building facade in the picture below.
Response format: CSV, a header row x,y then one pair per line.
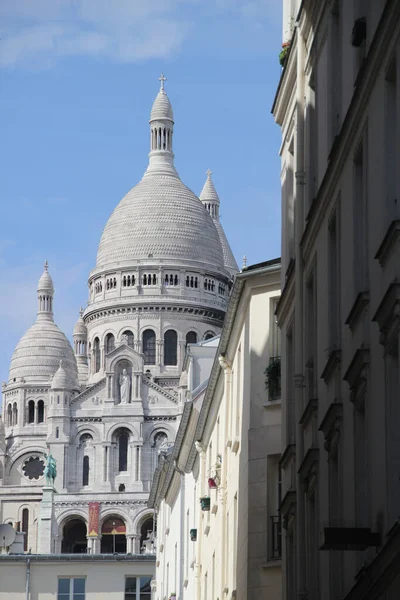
x,y
104,408
216,492
338,104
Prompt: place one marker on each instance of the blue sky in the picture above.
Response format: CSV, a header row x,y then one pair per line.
x,y
77,79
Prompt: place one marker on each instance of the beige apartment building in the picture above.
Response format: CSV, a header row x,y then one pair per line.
x,y
216,492
338,105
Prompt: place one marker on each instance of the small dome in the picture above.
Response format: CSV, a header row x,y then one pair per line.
x,y
80,327
38,353
45,283
60,380
162,108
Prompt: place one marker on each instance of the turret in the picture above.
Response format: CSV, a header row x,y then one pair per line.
x,y
80,349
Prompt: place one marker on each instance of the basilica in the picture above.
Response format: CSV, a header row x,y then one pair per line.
x,y
101,411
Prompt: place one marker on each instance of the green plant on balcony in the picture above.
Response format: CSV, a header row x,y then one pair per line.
x,y
283,55
273,377
193,535
172,596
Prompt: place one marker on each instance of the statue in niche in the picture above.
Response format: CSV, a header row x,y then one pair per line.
x,y
124,387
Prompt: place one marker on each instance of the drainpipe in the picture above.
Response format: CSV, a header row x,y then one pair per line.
x,y
28,579
299,362
182,531
202,455
227,367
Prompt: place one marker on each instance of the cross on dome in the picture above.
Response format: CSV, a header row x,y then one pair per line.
x,y
46,265
161,79
209,173
81,311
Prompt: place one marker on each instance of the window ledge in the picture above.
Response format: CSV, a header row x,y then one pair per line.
x,y
272,403
272,563
360,303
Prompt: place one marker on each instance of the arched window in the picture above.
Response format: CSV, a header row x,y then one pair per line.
x,y
110,343
145,279
31,411
85,471
170,347
149,347
191,337
9,415
15,414
57,433
96,352
25,527
40,417
208,335
130,337
123,439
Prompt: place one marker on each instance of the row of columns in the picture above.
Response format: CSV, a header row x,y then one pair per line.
x,y
111,458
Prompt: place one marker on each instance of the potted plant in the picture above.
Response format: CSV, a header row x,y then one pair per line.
x,y
172,596
205,503
193,535
284,53
212,484
273,377
214,479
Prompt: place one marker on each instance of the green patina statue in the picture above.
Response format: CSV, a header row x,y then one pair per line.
x,y
50,471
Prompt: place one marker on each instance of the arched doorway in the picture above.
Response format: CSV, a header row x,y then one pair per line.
x,y
113,536
74,537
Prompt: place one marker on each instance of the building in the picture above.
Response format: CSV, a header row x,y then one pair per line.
x,y
216,491
106,407
338,105
75,577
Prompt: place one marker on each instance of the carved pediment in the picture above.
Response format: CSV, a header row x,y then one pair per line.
x,y
124,352
156,395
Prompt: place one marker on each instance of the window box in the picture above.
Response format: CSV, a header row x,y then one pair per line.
x,y
193,535
205,503
213,483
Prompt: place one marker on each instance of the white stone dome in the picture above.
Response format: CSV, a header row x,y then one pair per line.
x,y
45,283
162,108
160,218
80,327
38,353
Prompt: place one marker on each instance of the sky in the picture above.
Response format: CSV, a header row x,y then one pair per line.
x,y
77,81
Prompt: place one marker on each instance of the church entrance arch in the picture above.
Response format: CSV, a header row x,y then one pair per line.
x,y
74,537
113,536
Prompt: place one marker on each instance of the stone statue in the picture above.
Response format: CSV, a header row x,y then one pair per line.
x,y
124,386
50,470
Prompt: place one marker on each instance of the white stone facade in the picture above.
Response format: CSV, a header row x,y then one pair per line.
x,y
338,104
104,409
227,453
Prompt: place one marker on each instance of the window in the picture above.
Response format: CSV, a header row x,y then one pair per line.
x,y
137,588
123,439
71,588
360,236
209,335
40,418
391,129
110,343
96,355
149,347
311,321
9,414
191,337
25,527
333,283
31,411
57,433
130,338
15,414
85,471
170,347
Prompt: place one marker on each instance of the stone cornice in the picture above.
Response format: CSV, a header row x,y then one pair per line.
x,y
332,364
331,426
388,314
286,301
360,304
159,389
96,386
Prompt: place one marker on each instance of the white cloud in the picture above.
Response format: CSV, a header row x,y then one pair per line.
x,y
38,32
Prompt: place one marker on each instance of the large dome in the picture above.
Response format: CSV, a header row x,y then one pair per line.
x,y
38,353
160,218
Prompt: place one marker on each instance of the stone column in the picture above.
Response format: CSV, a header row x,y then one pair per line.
x,y
45,521
139,459
135,543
